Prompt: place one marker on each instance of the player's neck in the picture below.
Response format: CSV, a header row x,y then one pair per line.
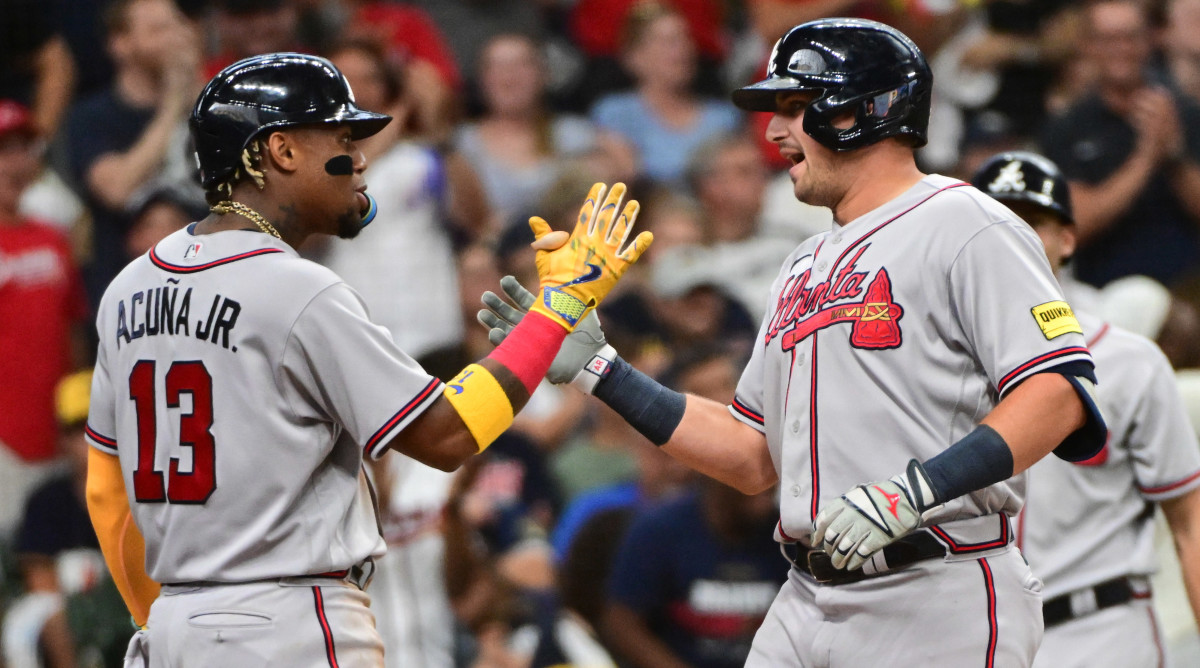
x,y
880,178
278,217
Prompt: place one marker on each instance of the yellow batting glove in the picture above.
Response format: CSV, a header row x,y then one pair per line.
x,y
577,270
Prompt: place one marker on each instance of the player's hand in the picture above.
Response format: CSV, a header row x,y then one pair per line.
x,y
869,517
581,345
576,271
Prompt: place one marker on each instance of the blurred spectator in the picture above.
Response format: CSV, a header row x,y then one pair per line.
x,y
1181,41
133,134
410,243
1130,150
59,557
599,454
36,68
411,42
661,117
245,28
729,179
519,145
503,591
42,330
694,577
408,593
596,28
469,25
157,214
1144,306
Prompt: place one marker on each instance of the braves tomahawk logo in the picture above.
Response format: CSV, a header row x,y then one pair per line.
x,y
802,310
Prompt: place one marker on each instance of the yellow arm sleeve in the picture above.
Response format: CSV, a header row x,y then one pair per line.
x,y
120,541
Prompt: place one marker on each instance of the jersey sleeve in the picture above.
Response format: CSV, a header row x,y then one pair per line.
x,y
1162,443
747,404
345,366
1010,308
101,429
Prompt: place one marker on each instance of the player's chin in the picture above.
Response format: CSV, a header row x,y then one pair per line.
x,y
349,224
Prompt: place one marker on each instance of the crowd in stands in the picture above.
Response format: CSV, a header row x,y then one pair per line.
x,y
572,540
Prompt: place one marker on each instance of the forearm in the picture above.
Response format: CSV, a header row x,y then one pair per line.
x,y
56,80
1183,516
1098,206
120,541
116,176
482,400
713,442
1037,416
627,633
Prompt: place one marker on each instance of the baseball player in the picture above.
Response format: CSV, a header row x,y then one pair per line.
x,y
238,387
1087,528
912,361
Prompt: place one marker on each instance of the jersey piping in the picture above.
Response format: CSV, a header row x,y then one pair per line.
x,y
990,587
101,442
742,410
377,442
966,548
330,652
179,269
1022,370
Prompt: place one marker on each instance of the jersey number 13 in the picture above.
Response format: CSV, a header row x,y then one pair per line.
x,y
194,432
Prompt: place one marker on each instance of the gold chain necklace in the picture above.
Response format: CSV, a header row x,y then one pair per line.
x,y
247,213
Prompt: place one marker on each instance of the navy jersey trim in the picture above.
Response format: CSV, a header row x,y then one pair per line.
x,y
330,651
1008,378
989,584
967,548
400,415
745,412
179,269
103,442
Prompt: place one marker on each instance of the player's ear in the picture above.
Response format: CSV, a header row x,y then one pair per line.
x,y
281,151
1068,240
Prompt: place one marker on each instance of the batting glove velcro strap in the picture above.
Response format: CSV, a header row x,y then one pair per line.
x,y
869,517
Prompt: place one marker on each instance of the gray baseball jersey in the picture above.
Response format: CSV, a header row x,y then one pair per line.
x,y
891,337
241,385
1087,522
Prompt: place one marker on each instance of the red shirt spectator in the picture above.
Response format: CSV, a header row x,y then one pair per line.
x,y
41,301
407,33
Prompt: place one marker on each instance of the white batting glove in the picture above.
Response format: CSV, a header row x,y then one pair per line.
x,y
872,516
584,355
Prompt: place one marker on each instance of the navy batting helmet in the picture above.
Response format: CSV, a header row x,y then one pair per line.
x,y
1021,176
854,65
271,91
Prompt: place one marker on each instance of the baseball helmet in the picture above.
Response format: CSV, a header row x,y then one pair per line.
x,y
269,92
1021,176
855,65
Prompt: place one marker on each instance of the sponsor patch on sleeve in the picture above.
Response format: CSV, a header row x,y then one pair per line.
x,y
1056,318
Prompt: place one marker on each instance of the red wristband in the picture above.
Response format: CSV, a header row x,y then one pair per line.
x,y
530,348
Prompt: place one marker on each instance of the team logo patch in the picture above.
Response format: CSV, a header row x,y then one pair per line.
x,y
874,319
193,251
1055,319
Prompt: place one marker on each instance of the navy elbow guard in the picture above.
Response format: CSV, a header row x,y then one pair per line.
x,y
1088,440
